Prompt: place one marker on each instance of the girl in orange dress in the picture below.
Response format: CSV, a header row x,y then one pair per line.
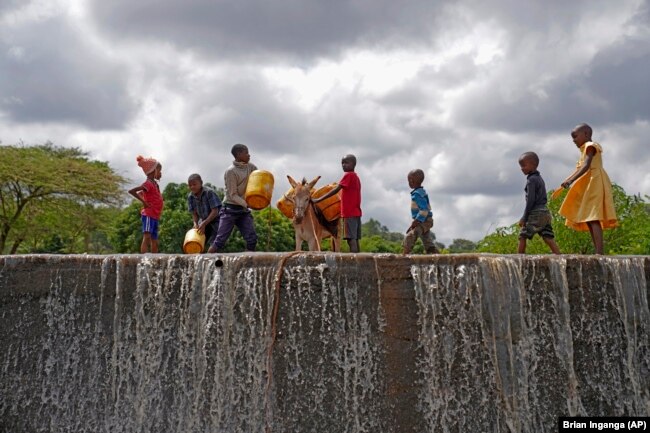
x,y
589,204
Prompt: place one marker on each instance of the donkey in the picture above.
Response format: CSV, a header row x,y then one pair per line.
x,y
308,221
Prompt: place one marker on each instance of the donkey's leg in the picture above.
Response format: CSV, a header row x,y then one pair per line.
x,y
313,229
336,244
314,244
298,240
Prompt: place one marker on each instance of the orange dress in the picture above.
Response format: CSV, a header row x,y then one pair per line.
x,y
590,197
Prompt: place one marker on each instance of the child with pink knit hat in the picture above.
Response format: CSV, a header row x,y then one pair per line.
x,y
149,194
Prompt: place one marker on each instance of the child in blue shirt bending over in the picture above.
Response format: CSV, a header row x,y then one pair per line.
x,y
536,218
421,214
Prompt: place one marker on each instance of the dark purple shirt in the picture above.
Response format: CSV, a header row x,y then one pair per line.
x,y
535,194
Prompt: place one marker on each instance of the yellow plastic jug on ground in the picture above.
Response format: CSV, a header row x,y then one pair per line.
x,y
194,242
284,205
331,207
259,189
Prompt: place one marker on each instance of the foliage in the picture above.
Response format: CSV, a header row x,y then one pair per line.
x,y
378,244
631,237
54,199
55,232
126,230
372,227
462,246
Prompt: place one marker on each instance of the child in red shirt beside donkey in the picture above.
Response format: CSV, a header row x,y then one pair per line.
x,y
350,187
149,194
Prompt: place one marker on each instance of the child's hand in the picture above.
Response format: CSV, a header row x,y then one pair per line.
x,y
522,223
566,184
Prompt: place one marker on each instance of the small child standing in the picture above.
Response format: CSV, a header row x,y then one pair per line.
x,y
149,194
536,218
235,210
421,214
204,205
589,204
350,187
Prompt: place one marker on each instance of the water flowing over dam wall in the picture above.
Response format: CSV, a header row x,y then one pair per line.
x,y
320,342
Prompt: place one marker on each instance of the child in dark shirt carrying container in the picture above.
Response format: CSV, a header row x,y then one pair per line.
x,y
536,218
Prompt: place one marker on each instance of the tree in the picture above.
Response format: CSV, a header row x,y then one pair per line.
x,y
372,227
631,237
462,246
47,190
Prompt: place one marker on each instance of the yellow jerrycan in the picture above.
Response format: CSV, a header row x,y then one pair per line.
x,y
259,189
284,205
331,207
194,242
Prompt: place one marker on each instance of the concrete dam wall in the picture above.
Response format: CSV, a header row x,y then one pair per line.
x,y
320,342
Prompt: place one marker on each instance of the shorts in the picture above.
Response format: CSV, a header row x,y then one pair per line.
x,y
150,225
539,221
421,230
351,228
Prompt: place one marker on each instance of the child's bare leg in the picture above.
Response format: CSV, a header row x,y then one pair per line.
x,y
596,235
146,242
551,243
154,245
522,246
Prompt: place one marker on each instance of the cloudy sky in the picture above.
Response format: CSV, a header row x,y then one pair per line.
x,y
458,88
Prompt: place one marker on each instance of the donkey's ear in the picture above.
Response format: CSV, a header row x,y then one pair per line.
x,y
291,181
311,184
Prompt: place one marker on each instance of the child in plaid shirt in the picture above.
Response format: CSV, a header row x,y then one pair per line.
x,y
204,205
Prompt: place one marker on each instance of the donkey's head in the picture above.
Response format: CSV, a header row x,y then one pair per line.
x,y
301,197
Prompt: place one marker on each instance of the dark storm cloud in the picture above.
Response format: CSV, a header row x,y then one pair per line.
x,y
243,108
610,90
605,89
304,29
620,76
550,18
7,5
424,89
49,74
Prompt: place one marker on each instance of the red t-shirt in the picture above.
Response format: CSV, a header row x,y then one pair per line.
x,y
350,195
152,196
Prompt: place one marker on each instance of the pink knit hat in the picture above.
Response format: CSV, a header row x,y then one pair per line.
x,y
148,165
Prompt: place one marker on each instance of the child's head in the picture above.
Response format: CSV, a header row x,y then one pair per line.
x,y
148,165
528,161
349,162
240,152
581,134
195,183
415,178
